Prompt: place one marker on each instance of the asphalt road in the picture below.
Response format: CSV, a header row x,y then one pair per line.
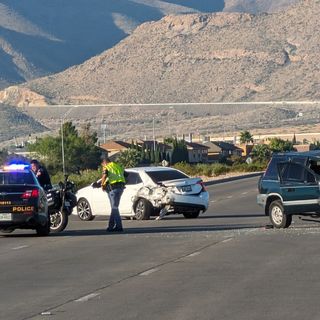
x,y
224,265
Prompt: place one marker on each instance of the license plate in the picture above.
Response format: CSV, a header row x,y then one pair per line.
x,y
186,189
5,217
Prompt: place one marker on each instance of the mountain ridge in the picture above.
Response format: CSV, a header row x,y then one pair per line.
x,y
198,58
15,123
50,38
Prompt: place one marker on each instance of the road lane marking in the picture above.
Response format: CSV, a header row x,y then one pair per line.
x,y
229,197
194,254
226,240
255,229
20,247
245,192
148,272
87,297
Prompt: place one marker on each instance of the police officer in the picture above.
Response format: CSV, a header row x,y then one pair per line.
x,y
113,181
41,174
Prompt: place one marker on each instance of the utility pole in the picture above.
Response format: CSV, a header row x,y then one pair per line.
x,y
154,138
104,128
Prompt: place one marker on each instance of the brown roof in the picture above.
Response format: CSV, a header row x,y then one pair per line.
x,y
115,145
196,146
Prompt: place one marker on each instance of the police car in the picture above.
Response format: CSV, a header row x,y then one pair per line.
x,y
23,203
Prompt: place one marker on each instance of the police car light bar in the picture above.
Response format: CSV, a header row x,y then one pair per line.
x,y
16,167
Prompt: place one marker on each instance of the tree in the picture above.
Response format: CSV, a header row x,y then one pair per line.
x,y
261,152
89,136
294,139
152,156
157,156
279,145
129,158
3,155
179,151
315,145
246,137
142,155
168,140
80,150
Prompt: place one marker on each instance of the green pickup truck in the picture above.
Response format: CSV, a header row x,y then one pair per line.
x,y
291,186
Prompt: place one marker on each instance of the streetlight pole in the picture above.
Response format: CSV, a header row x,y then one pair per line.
x,y
62,148
62,139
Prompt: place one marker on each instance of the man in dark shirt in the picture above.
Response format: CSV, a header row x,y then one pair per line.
x,y
41,174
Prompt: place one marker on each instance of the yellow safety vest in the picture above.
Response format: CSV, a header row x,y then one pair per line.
x,y
115,173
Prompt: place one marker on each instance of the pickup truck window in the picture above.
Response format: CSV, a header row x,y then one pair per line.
x,y
294,172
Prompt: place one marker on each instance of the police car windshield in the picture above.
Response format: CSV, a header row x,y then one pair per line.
x,y
20,178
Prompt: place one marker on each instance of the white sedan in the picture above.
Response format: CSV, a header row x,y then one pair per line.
x,y
148,192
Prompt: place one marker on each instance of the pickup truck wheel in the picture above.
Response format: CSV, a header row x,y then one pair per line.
x,y
143,209
191,215
278,218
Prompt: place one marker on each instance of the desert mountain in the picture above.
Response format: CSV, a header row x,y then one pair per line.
x,y
255,6
42,37
196,58
38,38
15,123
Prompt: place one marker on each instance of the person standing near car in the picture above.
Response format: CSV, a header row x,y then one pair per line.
x,y
113,182
41,174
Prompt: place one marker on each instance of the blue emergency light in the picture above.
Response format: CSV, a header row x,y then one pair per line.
x,y
16,167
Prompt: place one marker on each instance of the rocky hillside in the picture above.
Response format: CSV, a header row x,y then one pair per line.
x,y
199,58
38,39
15,123
255,6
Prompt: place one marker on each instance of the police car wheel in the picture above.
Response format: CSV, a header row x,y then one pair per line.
x,y
43,231
58,221
6,230
84,210
278,218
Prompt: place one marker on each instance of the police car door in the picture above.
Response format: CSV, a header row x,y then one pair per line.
x,y
299,188
133,184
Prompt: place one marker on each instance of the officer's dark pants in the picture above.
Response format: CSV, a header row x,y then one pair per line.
x,y
115,219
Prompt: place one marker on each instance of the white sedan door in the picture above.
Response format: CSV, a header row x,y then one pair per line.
x,y
134,183
100,204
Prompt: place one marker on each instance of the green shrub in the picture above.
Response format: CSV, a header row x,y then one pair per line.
x,y
251,167
204,169
84,179
187,168
219,169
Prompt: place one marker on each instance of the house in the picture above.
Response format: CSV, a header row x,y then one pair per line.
x,y
247,149
197,152
150,144
302,147
221,149
114,147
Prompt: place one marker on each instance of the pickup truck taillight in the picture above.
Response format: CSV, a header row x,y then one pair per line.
x,y
30,194
202,185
